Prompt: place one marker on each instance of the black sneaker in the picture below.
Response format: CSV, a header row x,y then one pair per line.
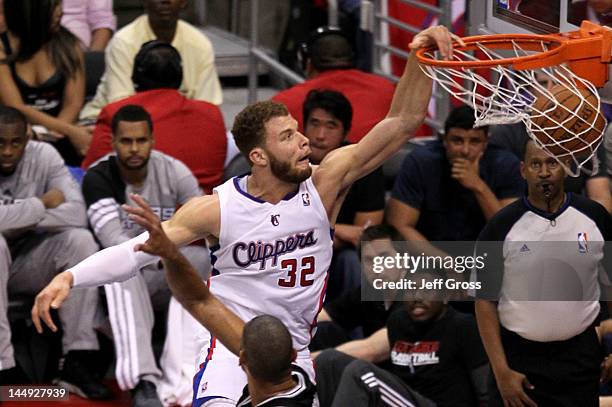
x,y
78,379
145,395
13,375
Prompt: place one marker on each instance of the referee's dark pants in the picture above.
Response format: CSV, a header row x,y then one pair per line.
x,y
563,373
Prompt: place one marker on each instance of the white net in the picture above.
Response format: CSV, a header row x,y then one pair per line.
x,y
561,111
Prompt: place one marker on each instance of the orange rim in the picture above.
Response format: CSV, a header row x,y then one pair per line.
x,y
529,42
587,52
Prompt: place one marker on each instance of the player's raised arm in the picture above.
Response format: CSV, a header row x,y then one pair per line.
x,y
407,112
185,283
198,218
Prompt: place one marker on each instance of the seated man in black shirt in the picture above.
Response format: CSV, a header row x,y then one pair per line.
x,y
433,349
327,121
448,189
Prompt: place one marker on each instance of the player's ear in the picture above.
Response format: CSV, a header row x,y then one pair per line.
x,y
242,362
293,355
258,157
241,358
522,168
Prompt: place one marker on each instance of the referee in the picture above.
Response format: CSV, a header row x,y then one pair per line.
x,y
544,352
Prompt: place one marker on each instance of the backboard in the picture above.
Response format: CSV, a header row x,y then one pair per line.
x,y
538,17
532,16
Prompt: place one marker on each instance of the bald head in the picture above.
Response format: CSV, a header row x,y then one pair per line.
x,y
267,349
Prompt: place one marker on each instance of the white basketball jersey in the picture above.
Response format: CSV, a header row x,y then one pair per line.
x,y
273,259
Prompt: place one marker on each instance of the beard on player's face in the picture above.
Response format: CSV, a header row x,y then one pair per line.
x,y
287,172
134,162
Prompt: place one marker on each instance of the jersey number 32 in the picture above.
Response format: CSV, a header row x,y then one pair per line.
x,y
306,268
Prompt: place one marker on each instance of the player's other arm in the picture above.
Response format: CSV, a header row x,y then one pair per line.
x,y
185,283
198,218
407,112
193,294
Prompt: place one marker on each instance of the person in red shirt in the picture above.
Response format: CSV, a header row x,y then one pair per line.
x,y
328,61
192,131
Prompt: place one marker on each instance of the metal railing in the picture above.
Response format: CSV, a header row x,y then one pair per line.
x,y
373,19
258,55
379,21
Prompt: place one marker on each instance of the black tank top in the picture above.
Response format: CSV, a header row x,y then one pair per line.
x,y
47,98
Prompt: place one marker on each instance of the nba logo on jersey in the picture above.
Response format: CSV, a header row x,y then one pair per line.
x,y
582,243
306,199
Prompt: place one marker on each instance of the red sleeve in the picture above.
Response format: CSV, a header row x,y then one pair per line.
x,y
101,139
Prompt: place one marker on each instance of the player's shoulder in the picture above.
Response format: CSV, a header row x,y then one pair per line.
x,y
588,207
500,224
103,166
39,160
102,172
159,159
41,147
42,155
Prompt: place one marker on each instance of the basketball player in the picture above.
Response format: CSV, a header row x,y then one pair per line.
x,y
263,344
269,230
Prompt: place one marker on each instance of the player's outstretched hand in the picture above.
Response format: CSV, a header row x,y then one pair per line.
x,y
439,36
52,296
158,243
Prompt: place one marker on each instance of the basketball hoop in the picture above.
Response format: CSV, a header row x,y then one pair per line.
x,y
508,78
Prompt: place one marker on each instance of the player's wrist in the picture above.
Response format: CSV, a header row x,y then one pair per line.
x,y
500,370
173,255
68,277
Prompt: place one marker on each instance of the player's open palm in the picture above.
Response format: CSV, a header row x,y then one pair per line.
x,y
512,385
158,243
